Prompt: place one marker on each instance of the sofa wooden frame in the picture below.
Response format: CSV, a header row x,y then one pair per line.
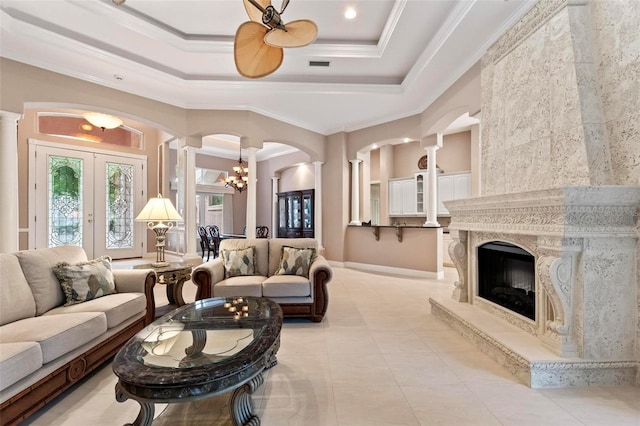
x,y
22,405
314,311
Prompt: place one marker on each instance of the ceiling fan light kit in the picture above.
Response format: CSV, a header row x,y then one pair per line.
x,y
259,43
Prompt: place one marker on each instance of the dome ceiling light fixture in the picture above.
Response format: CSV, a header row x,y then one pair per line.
x,y
104,121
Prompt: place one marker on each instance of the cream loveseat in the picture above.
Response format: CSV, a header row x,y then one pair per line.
x,y
299,296
45,347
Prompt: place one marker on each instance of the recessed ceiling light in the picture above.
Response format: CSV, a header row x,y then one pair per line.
x,y
374,146
350,13
407,140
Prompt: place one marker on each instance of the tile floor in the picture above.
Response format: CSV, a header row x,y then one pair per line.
x,y
378,358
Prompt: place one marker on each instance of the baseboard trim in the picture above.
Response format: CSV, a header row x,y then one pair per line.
x,y
395,271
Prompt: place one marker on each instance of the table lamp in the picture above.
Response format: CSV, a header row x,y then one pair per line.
x,y
158,211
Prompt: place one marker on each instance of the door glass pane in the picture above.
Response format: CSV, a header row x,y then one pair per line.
x,y
65,201
119,205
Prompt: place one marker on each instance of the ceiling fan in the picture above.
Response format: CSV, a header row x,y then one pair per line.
x,y
258,47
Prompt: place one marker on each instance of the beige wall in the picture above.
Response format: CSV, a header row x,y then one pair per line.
x,y
22,85
455,154
297,177
419,249
335,184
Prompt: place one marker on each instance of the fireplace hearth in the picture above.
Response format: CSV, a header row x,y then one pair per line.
x,y
506,276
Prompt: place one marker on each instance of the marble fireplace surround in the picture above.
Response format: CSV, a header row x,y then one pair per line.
x,y
584,240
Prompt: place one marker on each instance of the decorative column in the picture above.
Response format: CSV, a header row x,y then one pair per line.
x,y
9,178
274,206
317,219
189,145
432,183
355,192
251,192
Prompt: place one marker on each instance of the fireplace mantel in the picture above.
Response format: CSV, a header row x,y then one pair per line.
x,y
584,240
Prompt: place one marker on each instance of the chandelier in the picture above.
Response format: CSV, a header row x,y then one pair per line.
x,y
240,178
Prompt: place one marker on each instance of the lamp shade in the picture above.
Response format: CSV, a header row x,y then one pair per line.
x,y
104,121
157,210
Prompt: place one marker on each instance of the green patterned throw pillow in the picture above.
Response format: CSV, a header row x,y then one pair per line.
x,y
86,280
295,261
239,262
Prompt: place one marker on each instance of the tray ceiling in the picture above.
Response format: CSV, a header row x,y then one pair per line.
x,y
391,61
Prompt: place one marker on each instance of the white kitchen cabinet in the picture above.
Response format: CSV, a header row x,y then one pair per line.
x,y
402,197
395,197
452,187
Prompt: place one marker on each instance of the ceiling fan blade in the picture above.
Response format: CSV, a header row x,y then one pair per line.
x,y
254,13
254,58
298,33
285,3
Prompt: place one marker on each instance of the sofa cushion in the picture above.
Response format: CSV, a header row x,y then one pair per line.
x,y
56,338
295,261
275,249
37,266
16,299
117,307
239,286
261,251
85,280
286,286
238,262
17,361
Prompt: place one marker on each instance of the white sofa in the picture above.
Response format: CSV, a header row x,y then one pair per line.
x,y
45,347
298,296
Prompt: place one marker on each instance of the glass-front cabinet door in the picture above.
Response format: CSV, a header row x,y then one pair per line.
x,y
307,213
295,214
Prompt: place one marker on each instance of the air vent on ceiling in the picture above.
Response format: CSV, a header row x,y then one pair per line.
x,y
319,63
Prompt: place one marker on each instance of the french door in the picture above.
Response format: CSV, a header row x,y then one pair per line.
x,y
86,198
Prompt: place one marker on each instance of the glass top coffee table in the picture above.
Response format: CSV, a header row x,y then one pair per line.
x,y
200,350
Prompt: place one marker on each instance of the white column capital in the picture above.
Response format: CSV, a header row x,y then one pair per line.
x,y
355,162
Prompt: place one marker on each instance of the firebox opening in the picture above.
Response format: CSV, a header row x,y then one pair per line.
x,y
506,276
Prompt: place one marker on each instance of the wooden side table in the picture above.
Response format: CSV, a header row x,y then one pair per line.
x,y
173,276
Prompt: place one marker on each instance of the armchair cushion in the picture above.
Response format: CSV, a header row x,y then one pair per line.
x,y
85,280
239,262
